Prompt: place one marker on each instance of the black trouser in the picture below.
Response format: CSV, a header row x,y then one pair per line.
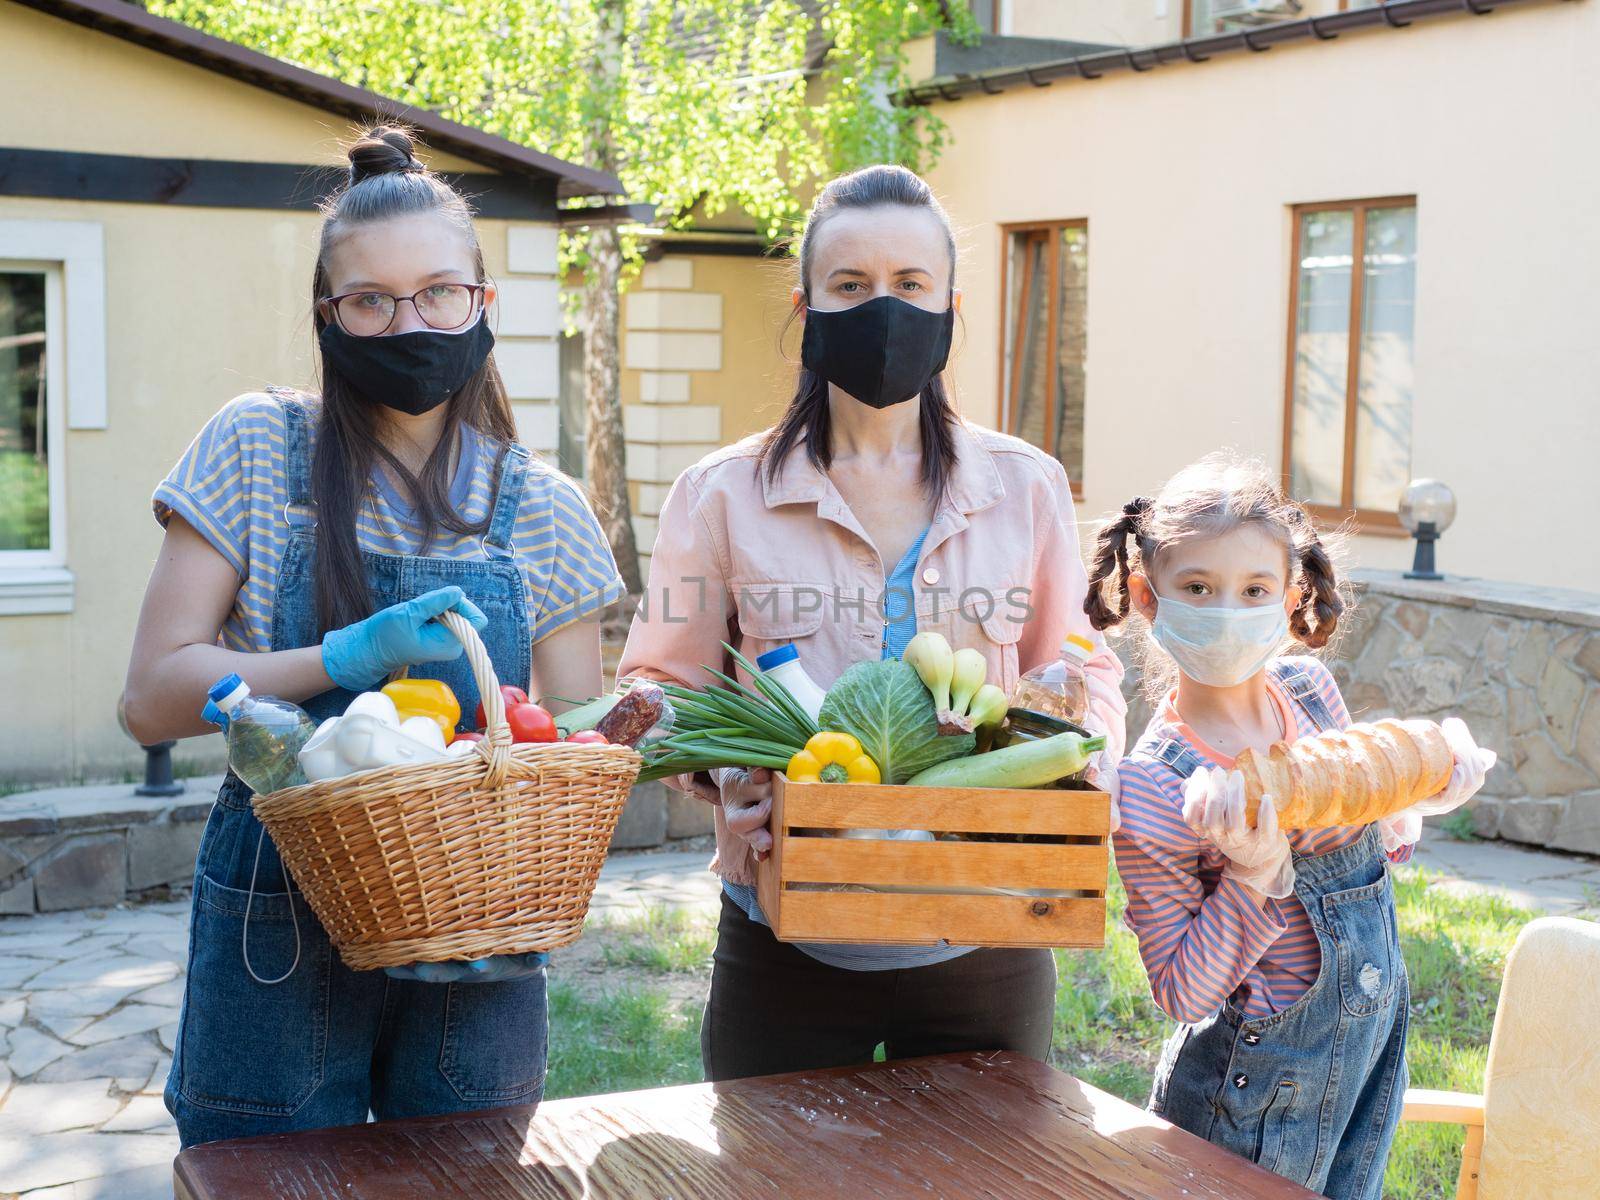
x,y
774,1008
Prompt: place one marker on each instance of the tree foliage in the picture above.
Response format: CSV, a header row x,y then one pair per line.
x,y
710,105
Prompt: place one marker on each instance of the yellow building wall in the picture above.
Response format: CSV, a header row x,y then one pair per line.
x,y
759,358
94,93
202,304
1186,175
702,365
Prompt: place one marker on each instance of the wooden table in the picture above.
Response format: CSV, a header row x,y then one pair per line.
x,y
963,1125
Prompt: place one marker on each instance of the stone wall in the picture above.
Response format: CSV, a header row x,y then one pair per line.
x,y
1520,664
84,847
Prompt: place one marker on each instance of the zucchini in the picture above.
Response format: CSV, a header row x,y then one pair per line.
x,y
1023,765
585,716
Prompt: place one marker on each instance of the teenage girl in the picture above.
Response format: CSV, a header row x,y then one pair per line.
x,y
1276,950
310,540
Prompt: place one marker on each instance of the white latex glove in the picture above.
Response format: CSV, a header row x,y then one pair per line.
x,y
1473,764
1102,772
1214,807
747,805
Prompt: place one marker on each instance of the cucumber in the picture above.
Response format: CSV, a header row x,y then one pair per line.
x,y
585,716
1023,765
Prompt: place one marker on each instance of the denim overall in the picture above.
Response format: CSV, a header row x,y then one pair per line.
x,y
1312,1092
327,1044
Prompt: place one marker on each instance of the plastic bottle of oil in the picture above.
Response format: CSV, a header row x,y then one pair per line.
x,y
1059,688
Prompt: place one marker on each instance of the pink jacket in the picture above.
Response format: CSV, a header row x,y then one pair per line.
x,y
757,563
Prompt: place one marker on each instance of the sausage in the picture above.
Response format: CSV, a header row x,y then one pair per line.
x,y
641,709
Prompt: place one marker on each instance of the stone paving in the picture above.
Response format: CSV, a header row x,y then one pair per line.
x,y
89,1006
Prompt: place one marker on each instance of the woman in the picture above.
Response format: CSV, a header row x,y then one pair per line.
x,y
858,520
309,542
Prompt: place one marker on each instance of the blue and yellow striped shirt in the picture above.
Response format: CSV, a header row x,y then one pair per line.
x,y
230,485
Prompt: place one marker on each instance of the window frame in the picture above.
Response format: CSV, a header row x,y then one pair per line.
x,y
1052,321
55,416
1188,17
1367,520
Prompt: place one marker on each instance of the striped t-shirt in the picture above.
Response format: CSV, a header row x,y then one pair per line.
x,y
1203,940
230,485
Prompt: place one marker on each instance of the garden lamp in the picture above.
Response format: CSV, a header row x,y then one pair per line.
x,y
1426,510
158,780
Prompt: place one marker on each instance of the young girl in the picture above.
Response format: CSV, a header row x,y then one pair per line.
x,y
1276,950
309,542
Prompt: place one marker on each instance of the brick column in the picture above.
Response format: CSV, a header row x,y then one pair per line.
x,y
527,340
670,332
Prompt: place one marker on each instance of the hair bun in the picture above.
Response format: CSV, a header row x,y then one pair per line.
x,y
382,150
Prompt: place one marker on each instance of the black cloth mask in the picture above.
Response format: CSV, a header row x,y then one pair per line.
x,y
882,352
411,372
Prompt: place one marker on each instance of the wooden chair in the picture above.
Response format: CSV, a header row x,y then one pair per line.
x,y
1534,1134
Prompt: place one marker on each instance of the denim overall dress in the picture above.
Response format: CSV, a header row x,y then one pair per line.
x,y
327,1044
1312,1092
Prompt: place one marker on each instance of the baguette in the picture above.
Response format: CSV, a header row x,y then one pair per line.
x,y
1348,776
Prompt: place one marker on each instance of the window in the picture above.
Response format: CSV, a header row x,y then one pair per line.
x,y
985,14
1202,18
30,455
1347,437
1045,282
52,378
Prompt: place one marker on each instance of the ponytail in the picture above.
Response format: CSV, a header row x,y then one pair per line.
x,y
1319,587
1111,553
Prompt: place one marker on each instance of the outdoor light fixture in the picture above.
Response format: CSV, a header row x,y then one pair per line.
x,y
158,780
1426,510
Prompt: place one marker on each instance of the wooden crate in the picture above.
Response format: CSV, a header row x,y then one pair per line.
x,y
927,905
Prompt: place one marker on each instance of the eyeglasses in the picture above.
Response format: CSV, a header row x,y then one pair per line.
x,y
443,306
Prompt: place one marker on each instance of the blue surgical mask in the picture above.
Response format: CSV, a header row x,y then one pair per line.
x,y
1219,647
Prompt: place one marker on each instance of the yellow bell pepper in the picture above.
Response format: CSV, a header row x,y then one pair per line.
x,y
831,757
426,698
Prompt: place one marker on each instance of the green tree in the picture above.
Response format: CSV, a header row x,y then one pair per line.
x,y
698,106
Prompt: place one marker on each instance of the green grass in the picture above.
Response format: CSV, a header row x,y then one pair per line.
x,y
1460,825
630,1038
1107,1031
662,940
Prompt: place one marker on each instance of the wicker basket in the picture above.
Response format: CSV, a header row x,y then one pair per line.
x,y
495,852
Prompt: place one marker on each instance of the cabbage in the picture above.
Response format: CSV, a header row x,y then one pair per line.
x,y
890,712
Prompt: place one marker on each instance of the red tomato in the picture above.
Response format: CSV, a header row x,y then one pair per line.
x,y
588,737
511,695
469,737
530,723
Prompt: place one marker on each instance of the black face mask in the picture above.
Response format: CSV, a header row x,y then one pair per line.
x,y
882,352
411,372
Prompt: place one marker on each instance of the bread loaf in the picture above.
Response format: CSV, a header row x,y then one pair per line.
x,y
1348,776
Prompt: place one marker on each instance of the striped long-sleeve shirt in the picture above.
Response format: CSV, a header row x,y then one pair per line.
x,y
230,485
1202,938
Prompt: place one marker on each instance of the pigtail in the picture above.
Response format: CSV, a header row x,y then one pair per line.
x,y
1111,555
1319,586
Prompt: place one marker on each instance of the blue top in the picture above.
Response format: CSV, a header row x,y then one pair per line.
x,y
900,610
900,601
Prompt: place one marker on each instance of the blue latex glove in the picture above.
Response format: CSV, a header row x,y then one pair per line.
x,y
361,656
479,970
